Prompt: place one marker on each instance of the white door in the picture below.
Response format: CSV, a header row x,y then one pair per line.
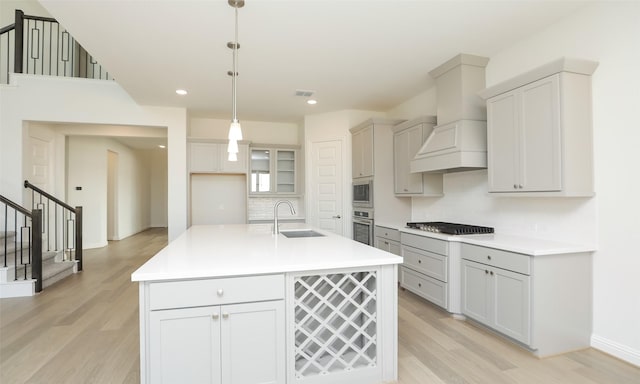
x,y
112,196
326,198
40,167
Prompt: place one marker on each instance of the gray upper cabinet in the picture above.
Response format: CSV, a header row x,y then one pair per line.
x,y
274,171
211,157
362,152
539,131
408,137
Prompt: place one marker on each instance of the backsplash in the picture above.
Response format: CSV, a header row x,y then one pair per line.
x,y
261,208
466,200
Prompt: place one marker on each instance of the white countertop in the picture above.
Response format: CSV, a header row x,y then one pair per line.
x,y
519,244
251,249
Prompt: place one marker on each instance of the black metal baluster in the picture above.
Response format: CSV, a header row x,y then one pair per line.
x,y
19,41
15,245
6,207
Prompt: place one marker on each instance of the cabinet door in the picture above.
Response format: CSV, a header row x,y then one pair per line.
x,y
253,343
511,304
406,145
362,153
204,157
476,291
184,345
502,135
260,179
382,243
239,166
540,136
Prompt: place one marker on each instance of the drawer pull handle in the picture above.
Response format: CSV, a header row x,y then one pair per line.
x,y
215,316
386,243
220,292
488,257
419,285
225,315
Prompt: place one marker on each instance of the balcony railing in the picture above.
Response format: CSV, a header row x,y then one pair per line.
x,y
41,46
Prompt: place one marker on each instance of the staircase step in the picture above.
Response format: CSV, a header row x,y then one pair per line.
x,y
47,256
57,272
8,234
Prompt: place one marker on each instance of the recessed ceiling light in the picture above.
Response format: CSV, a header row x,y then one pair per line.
x,y
181,92
312,102
162,146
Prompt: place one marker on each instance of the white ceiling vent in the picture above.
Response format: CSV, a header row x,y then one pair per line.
x,y
304,93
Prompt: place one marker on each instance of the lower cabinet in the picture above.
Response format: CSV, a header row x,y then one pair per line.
x,y
425,270
388,239
216,344
497,298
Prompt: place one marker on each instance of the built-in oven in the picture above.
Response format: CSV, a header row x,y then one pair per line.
x,y
363,193
363,225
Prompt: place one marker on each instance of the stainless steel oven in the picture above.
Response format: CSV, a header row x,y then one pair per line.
x,y
363,226
363,193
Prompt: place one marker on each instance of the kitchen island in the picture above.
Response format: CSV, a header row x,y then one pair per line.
x,y
238,304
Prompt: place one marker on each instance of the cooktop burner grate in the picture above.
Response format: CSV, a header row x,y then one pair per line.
x,y
449,228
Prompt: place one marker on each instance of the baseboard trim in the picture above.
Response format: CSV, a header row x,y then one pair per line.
x,y
20,288
615,349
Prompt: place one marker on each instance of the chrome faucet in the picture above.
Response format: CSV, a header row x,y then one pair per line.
x,y
276,230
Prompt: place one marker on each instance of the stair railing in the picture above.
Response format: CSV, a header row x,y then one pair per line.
x,y
40,46
27,240
61,224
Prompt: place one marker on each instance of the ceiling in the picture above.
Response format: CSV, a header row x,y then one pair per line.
x,y
355,54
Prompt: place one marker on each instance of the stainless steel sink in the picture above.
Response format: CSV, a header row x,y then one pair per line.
x,y
301,233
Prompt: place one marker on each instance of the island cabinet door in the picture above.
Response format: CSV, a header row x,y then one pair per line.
x,y
253,344
185,345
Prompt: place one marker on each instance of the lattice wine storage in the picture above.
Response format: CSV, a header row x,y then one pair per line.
x,y
335,323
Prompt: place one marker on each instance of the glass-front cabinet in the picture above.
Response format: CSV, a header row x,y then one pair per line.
x,y
273,171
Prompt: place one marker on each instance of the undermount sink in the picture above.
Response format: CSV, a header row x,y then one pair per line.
x,y
301,233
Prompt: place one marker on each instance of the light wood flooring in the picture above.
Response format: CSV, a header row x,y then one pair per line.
x,y
85,330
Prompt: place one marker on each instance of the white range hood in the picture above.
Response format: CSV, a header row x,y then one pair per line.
x,y
459,141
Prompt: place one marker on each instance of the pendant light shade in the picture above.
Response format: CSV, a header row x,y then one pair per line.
x,y
235,131
232,147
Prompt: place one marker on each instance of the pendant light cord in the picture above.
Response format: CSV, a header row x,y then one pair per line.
x,y
235,69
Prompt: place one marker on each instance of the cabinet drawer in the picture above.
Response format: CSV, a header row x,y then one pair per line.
x,y
429,263
515,262
424,286
196,293
388,233
426,243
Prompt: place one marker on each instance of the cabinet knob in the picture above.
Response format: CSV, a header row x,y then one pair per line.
x,y
486,272
491,273
225,315
215,316
406,190
419,285
515,186
220,292
520,186
386,243
488,257
419,261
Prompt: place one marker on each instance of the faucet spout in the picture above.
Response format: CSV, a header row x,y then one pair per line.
x,y
276,228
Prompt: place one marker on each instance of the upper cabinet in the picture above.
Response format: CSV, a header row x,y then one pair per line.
x,y
539,131
273,171
362,152
408,137
211,156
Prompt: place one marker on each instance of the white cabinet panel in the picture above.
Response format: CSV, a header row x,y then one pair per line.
x,y
539,131
362,153
212,157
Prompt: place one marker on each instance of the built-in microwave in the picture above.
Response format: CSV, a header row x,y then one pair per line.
x,y
363,193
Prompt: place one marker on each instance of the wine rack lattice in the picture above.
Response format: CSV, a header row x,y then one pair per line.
x,y
335,323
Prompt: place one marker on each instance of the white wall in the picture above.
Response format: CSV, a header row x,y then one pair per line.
x,y
157,163
423,104
261,132
53,99
87,168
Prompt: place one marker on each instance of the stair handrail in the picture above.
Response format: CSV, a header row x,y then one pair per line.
x,y
35,243
77,211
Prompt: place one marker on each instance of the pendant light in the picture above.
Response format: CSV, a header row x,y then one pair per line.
x,y
235,130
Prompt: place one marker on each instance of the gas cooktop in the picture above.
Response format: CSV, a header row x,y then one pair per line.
x,y
449,228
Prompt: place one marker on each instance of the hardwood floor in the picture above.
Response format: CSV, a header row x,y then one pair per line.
x,y
85,330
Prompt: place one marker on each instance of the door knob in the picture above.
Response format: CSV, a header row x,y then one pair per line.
x,y
337,217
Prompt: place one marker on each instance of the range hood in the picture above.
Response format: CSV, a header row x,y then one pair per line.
x,y
459,141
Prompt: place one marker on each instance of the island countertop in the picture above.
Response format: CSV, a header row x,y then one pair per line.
x,y
251,249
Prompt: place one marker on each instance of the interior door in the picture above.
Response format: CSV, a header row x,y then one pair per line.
x,y
326,197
